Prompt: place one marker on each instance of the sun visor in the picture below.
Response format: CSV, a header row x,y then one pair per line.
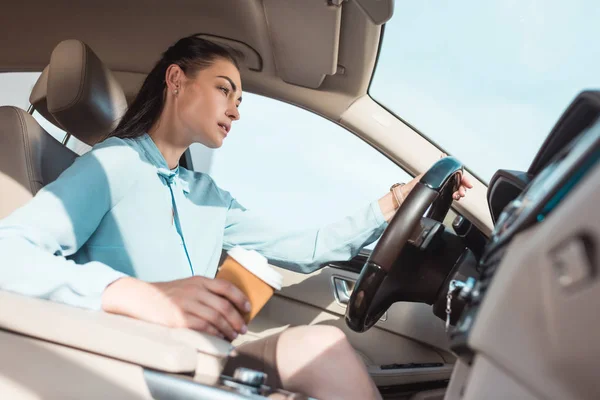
x,y
305,37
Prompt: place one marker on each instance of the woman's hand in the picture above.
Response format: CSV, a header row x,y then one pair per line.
x,y
465,184
214,306
389,202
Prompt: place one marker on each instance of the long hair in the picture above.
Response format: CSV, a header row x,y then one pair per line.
x,y
191,54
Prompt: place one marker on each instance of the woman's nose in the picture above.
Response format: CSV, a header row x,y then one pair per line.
x,y
233,113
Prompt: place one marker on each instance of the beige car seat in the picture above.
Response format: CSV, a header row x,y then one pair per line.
x,y
77,93
30,158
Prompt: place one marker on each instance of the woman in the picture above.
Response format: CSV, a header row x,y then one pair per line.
x,y
143,236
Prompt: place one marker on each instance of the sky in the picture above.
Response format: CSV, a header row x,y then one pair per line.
x,y
484,80
487,80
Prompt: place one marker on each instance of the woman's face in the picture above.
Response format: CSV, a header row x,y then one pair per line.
x,y
207,104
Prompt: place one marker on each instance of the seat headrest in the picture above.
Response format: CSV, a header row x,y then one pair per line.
x,y
83,96
37,98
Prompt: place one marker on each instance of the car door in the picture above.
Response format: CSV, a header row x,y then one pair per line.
x,y
300,170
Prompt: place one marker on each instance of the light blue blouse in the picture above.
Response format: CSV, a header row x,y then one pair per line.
x,y
119,210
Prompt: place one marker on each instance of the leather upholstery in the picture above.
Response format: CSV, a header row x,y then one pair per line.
x,y
77,93
82,94
37,98
30,158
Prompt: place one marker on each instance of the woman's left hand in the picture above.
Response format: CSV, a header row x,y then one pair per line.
x,y
389,203
465,184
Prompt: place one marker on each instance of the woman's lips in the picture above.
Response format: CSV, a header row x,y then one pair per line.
x,y
224,129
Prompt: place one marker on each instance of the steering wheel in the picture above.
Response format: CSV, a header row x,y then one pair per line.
x,y
384,279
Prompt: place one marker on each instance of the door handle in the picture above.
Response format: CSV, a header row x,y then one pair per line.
x,y
342,290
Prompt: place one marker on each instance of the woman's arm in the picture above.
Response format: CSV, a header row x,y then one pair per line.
x,y
36,238
304,250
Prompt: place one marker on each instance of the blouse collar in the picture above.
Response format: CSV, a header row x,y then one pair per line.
x,y
158,160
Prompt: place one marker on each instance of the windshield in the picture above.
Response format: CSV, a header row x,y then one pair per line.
x,y
486,81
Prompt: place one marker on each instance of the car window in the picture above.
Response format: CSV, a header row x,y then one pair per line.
x,y
487,80
295,167
15,88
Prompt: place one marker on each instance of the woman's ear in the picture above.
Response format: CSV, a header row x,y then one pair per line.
x,y
174,78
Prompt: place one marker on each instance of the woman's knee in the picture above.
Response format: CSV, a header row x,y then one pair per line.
x,y
305,351
329,334
318,338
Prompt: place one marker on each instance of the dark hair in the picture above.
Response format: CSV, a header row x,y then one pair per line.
x,y
191,54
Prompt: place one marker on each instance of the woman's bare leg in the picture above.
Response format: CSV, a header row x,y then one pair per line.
x,y
319,362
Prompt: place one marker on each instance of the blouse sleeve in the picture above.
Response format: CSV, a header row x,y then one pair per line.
x,y
36,239
303,250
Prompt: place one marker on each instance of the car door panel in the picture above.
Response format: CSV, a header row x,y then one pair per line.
x,y
410,334
411,320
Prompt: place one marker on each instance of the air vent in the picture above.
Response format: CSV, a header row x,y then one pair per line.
x,y
488,270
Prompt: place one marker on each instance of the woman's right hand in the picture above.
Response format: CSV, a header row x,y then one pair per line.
x,y
214,306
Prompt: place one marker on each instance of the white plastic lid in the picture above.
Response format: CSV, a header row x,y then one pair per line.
x,y
258,265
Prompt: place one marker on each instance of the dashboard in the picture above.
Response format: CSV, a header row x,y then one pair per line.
x,y
525,331
550,186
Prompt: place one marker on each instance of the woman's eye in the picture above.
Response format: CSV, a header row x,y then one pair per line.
x,y
224,90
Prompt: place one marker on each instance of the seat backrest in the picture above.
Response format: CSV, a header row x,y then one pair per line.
x,y
75,92
29,158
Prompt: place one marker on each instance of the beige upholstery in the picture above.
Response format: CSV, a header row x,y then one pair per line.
x,y
34,369
77,93
83,96
319,43
127,339
29,158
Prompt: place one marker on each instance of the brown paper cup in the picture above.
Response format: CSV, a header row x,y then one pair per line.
x,y
250,272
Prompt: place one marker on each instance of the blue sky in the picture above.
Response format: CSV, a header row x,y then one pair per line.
x,y
488,80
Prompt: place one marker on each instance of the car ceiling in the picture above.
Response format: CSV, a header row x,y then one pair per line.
x,y
129,36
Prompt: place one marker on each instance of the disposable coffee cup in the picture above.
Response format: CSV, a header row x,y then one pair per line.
x,y
251,273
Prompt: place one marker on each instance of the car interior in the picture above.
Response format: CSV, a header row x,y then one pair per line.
x,y
491,297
